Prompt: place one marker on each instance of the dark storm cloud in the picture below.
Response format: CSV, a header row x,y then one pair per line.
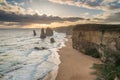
x,y
13,17
73,19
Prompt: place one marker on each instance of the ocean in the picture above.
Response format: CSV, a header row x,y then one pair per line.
x,y
19,60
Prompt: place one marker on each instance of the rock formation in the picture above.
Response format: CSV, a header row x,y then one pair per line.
x,y
40,48
52,40
34,33
49,32
42,35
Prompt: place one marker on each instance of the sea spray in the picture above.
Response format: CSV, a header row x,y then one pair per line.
x,y
20,61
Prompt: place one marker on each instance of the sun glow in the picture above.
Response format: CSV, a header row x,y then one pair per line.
x,y
55,24
36,26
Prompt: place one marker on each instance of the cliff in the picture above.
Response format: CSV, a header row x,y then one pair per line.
x,y
98,40
64,29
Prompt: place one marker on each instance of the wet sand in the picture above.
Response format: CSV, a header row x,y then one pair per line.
x,y
75,65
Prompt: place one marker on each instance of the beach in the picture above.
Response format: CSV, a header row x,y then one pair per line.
x,y
75,65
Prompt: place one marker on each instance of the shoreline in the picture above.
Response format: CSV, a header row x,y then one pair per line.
x,y
52,75
74,65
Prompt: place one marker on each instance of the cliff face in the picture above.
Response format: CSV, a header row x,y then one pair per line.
x,y
67,30
97,39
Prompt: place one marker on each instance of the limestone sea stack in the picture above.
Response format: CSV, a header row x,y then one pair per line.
x,y
34,33
52,40
42,35
49,32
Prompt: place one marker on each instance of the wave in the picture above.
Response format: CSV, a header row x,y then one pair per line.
x,y
20,61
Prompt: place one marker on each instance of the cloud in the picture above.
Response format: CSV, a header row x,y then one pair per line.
x,y
108,17
15,8
30,1
18,4
73,19
15,13
114,17
27,18
2,1
92,4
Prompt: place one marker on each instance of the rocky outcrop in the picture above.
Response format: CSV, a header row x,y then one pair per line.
x,y
34,33
40,48
97,40
42,35
46,32
52,40
49,32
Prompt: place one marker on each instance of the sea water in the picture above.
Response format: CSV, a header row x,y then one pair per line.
x,y
20,61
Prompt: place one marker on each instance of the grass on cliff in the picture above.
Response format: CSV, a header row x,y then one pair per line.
x,y
93,53
106,71
109,69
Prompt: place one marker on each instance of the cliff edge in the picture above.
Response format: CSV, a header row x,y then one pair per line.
x,y
97,40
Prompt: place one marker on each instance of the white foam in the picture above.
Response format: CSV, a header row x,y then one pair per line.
x,y
20,61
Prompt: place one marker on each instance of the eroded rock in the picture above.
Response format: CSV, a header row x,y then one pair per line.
x,y
52,40
40,48
34,33
42,35
49,32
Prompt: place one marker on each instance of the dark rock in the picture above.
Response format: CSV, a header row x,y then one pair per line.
x,y
34,33
43,35
52,40
49,32
1,76
43,48
40,48
37,48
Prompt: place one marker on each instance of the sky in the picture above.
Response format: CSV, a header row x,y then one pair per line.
x,y
56,13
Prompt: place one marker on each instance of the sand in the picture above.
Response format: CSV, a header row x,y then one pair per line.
x,y
75,65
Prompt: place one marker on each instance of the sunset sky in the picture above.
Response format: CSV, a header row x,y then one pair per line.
x,y
55,13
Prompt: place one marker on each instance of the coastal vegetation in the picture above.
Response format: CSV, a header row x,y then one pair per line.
x,y
109,70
